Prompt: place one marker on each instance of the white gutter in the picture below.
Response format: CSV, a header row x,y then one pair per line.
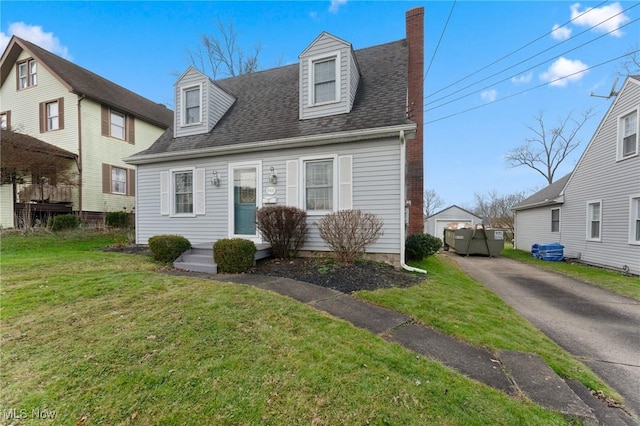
x,y
403,161
303,141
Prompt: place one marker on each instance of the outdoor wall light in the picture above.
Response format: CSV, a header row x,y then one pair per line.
x,y
274,176
216,178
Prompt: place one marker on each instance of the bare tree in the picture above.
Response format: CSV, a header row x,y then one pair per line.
x,y
496,209
630,65
432,202
545,151
221,56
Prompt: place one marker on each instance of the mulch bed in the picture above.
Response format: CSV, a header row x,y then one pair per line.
x,y
362,275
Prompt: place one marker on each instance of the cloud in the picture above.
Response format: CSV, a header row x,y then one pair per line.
x,y
596,15
566,69
522,79
335,5
36,35
489,95
560,33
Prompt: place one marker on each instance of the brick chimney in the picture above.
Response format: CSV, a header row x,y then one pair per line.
x,y
415,167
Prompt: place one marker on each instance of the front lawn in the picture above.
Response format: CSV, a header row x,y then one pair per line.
x,y
105,338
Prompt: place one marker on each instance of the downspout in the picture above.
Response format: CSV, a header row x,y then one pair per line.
x,y
79,160
403,228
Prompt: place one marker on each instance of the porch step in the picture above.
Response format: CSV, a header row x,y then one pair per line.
x,y
199,258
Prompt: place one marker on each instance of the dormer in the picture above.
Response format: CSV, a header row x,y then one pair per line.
x,y
329,77
199,103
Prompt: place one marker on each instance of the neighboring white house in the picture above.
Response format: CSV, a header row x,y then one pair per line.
x,y
595,211
68,110
326,134
438,222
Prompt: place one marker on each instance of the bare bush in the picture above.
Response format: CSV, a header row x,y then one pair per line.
x,y
285,228
349,232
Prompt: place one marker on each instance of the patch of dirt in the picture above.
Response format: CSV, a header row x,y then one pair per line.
x,y
362,275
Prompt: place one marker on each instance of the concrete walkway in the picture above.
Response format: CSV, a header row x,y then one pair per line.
x,y
511,372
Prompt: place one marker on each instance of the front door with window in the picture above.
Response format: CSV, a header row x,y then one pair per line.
x,y
245,192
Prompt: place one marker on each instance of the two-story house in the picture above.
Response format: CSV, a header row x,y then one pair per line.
x,y
340,129
69,112
595,211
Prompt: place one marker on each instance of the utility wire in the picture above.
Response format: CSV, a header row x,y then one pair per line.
x,y
529,89
520,72
439,40
534,56
514,52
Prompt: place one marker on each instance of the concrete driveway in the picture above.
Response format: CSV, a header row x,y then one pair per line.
x,y
600,328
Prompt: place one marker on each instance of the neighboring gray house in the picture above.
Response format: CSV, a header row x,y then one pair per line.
x,y
329,133
595,211
438,222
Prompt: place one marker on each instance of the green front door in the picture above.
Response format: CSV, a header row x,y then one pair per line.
x,y
244,201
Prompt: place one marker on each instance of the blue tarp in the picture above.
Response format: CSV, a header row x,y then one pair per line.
x,y
548,251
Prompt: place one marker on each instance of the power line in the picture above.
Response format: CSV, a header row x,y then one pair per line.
x,y
530,89
529,58
520,72
439,40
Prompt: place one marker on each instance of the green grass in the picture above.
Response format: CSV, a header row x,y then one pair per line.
x,y
617,282
456,304
106,337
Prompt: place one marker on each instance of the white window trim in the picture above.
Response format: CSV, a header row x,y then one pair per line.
x,y
126,183
4,120
183,105
311,73
302,196
113,112
559,219
172,191
588,235
50,118
619,145
633,214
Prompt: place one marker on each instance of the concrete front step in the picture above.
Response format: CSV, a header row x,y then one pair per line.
x,y
199,258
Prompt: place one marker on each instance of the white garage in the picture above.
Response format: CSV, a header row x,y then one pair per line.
x,y
438,222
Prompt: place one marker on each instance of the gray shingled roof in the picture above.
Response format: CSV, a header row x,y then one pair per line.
x,y
29,143
266,107
547,195
85,82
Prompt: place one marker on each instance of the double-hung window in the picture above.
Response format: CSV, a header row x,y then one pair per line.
x,y
555,220
27,74
192,108
634,220
5,120
594,220
628,135
183,192
324,81
118,180
117,122
53,116
318,185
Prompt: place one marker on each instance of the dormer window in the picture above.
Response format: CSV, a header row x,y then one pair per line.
x,y
324,81
192,105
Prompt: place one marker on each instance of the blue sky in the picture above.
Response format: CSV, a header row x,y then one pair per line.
x,y
143,46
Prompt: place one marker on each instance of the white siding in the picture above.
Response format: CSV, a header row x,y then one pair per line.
x,y
6,206
375,186
327,46
534,227
454,214
599,176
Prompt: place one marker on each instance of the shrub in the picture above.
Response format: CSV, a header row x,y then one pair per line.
x,y
285,228
349,232
419,246
167,248
65,221
234,255
117,219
